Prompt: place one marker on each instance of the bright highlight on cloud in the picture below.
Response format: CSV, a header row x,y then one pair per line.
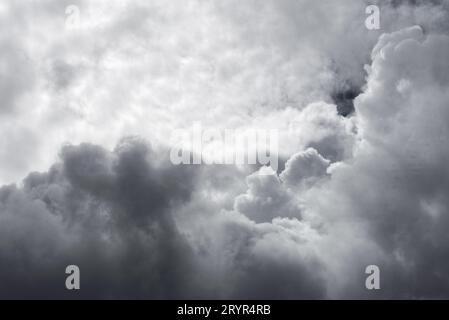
x,y
85,124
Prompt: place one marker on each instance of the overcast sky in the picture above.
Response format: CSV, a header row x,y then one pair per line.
x,y
88,107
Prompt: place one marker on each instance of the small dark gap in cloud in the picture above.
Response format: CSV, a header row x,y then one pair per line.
x,y
344,99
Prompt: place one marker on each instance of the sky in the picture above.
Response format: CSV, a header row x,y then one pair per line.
x,y
92,91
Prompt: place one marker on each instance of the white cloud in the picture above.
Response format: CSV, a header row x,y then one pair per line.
x,y
142,68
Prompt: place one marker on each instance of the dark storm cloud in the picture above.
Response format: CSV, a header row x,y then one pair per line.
x,y
108,213
113,215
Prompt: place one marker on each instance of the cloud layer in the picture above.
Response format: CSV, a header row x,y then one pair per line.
x,y
95,103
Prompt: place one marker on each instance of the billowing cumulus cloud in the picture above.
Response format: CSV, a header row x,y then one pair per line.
x,y
363,149
97,71
109,213
304,168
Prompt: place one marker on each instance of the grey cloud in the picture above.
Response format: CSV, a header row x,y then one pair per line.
x,y
398,174
304,168
265,199
369,188
113,214
148,64
108,213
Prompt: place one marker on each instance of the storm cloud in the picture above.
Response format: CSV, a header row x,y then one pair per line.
x,y
85,122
